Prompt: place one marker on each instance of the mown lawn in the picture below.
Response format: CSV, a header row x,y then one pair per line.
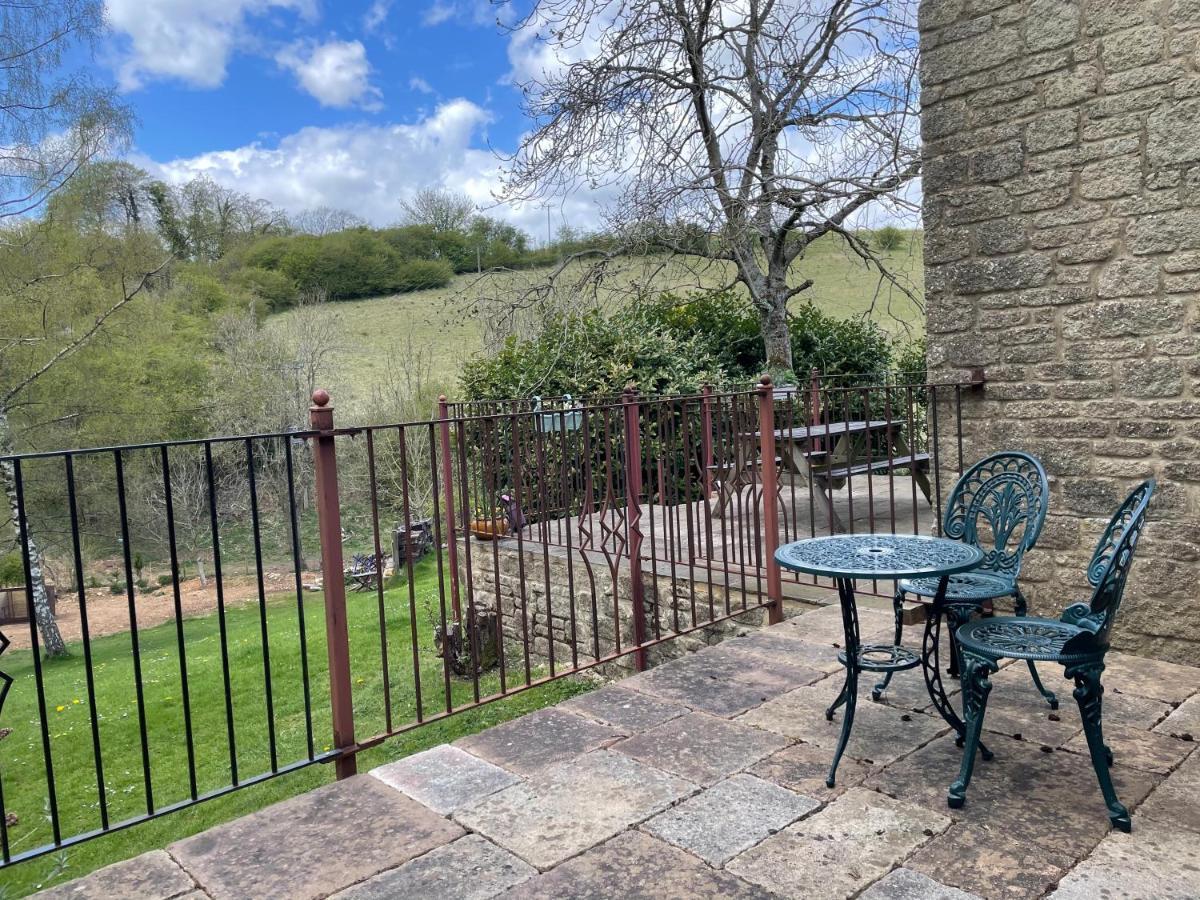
x,y
22,769
378,334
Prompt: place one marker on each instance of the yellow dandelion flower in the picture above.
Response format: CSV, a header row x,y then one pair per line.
x,y
59,708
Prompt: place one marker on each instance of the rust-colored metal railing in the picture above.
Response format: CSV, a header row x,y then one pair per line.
x,y
528,542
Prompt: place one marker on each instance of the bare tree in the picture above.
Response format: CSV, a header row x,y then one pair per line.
x,y
440,210
321,220
731,130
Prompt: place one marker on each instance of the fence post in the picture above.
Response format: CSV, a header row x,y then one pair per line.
x,y
770,491
633,521
329,522
706,448
815,402
448,503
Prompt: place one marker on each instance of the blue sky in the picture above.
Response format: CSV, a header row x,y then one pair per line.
x,y
349,103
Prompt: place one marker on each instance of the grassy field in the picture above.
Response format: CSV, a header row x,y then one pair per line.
x,y
22,769
384,333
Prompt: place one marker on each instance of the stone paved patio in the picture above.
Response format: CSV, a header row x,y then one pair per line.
x,y
705,778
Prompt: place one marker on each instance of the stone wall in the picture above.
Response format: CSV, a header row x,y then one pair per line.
x,y
1062,251
572,592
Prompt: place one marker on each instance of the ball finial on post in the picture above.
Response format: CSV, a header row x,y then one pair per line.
x,y
765,383
320,397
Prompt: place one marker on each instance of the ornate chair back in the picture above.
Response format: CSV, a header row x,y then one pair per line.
x,y
999,505
1110,564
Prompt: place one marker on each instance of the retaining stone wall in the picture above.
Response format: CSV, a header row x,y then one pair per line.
x,y
545,623
1062,254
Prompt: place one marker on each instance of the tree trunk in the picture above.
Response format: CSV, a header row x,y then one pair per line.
x,y
52,642
777,341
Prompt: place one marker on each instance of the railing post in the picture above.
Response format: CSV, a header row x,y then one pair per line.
x,y
706,448
814,398
448,494
770,491
633,521
329,522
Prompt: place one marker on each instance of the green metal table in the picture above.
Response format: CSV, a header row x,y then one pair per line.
x,y
847,558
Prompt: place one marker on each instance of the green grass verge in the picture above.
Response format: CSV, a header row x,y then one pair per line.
x,y
21,763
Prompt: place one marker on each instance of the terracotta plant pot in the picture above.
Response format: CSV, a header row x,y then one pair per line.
x,y
489,529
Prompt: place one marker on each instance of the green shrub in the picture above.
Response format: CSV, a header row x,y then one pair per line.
x,y
422,274
888,238
721,322
201,292
12,569
593,354
277,289
724,324
910,362
837,346
164,580
117,587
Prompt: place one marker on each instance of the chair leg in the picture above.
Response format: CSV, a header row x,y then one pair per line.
x,y
1088,693
850,692
898,609
976,686
1021,608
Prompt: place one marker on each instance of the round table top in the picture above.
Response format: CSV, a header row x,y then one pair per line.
x,y
883,556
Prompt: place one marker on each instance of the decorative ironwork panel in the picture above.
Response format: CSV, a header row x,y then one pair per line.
x,y
999,505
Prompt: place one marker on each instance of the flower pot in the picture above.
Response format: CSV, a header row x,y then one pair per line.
x,y
489,529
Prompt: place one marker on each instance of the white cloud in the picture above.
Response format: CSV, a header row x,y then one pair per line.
x,y
191,40
336,73
469,12
420,85
368,168
376,15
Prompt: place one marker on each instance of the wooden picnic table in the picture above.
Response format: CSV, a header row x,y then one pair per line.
x,y
826,457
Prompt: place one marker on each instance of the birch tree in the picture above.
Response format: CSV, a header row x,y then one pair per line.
x,y
52,123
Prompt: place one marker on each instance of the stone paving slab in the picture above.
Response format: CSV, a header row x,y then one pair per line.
x,y
1183,722
692,682
803,767
354,828
905,884
983,858
824,626
779,643
1151,678
880,735
151,876
1128,709
471,868
822,657
778,674
731,816
837,852
700,747
539,739
636,866
574,805
1050,801
1137,749
1176,802
445,778
630,711
1154,862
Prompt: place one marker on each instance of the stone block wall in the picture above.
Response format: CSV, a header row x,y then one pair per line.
x,y
1062,252
542,611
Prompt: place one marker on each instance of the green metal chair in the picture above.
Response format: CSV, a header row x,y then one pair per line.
x,y
998,505
1078,641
